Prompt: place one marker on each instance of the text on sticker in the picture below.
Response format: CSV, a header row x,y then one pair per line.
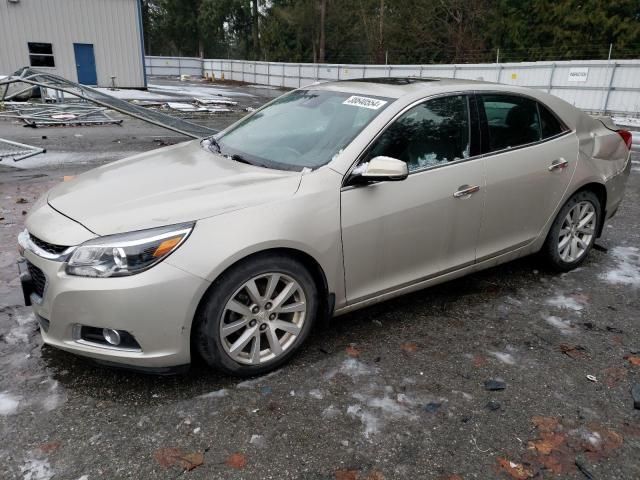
x,y
364,102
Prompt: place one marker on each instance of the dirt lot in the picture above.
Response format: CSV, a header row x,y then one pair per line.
x,y
394,391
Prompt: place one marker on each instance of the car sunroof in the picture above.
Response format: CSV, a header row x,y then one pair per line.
x,y
393,80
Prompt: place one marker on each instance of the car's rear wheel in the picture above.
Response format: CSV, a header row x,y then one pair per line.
x,y
573,232
257,315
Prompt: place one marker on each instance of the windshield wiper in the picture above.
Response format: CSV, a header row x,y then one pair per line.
x,y
241,159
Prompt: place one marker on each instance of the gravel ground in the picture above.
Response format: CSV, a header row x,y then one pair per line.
x,y
393,391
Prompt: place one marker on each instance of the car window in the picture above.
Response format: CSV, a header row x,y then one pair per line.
x,y
511,120
430,134
551,126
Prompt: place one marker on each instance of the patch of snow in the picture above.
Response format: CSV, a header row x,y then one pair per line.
x,y
132,94
185,107
375,411
330,412
569,303
504,357
316,393
353,368
626,121
215,101
195,91
370,422
258,440
252,383
20,333
36,469
563,325
215,394
8,403
627,271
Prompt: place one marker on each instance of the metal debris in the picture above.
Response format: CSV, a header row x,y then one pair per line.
x,y
17,151
22,84
50,114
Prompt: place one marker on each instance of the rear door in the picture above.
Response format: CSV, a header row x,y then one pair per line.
x,y
398,233
530,159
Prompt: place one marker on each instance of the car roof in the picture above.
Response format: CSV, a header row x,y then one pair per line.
x,y
397,87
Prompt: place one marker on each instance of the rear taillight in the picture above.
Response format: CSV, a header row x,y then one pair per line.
x,y
627,137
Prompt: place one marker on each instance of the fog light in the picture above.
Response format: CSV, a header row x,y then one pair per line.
x,y
111,336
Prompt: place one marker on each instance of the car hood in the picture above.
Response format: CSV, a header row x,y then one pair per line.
x,y
175,184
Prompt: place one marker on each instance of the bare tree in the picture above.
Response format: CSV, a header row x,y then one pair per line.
x,y
255,28
322,4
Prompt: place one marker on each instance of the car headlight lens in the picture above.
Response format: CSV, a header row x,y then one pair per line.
x,y
127,253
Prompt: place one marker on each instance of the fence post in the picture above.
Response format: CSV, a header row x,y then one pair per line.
x,y
609,88
553,69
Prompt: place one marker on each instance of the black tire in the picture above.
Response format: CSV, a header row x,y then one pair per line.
x,y
207,339
550,248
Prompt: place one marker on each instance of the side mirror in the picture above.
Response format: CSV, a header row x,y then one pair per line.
x,y
380,169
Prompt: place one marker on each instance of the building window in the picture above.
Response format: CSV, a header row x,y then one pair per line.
x,y
41,54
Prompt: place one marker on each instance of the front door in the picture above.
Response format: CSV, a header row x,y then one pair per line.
x,y
397,233
531,159
85,63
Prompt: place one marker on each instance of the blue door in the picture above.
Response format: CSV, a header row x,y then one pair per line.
x,y
85,63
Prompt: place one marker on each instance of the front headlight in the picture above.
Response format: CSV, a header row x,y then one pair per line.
x,y
126,253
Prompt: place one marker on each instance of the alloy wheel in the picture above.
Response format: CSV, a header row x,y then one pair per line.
x,y
577,231
263,318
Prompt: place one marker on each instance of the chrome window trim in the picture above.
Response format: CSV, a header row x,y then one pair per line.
x,y
567,131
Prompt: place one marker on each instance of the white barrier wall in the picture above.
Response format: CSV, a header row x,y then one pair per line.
x,y
593,85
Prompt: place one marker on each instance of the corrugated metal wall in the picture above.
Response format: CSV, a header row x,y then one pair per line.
x,y
112,26
612,86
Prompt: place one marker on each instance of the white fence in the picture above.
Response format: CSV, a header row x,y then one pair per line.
x,y
594,85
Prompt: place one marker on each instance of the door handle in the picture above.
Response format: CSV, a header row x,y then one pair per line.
x,y
465,191
558,164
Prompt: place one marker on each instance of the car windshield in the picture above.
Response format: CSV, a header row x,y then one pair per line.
x,y
305,128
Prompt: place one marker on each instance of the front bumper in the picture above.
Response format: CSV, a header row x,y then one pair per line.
x,y
156,307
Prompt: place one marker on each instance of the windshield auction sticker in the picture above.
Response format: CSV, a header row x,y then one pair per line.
x,y
364,102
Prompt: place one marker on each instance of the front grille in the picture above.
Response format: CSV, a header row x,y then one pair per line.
x,y
39,280
46,246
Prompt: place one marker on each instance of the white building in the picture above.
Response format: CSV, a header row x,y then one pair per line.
x,y
86,41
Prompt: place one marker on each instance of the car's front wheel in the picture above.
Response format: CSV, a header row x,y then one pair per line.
x,y
573,232
256,315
